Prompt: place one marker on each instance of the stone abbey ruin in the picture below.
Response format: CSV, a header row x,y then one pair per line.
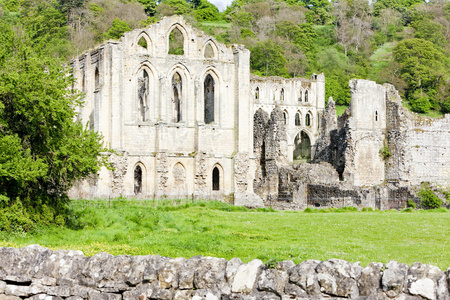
x,y
193,122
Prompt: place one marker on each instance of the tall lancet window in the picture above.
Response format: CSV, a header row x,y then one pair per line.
x,y
209,99
143,86
177,88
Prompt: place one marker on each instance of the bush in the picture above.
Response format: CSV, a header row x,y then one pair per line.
x,y
411,204
429,199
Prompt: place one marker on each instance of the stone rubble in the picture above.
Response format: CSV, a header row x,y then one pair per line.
x,y
37,273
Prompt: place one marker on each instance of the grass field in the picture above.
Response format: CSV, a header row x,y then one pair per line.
x,y
220,230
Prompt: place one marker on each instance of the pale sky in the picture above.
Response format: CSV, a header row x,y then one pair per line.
x,y
221,4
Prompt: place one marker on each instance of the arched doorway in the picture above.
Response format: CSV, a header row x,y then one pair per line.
x,y
302,147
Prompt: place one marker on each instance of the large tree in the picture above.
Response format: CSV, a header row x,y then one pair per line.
x,y
44,150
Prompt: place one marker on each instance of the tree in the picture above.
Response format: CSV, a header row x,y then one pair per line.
x,y
149,6
268,59
118,28
422,68
43,150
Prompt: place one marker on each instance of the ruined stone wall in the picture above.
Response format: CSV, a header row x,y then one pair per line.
x,y
419,146
35,272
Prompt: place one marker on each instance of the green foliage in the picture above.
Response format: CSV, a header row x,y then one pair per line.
x,y
429,199
268,59
118,28
206,11
42,150
384,152
411,204
430,31
149,6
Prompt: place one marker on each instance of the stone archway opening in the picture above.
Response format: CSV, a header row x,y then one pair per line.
x,y
209,99
302,148
176,42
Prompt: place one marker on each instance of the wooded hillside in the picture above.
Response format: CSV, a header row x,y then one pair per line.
x,y
404,42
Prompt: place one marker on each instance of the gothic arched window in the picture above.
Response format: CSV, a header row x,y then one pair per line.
x,y
209,99
177,89
143,86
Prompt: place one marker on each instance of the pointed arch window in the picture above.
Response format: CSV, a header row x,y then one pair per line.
x,y
306,96
143,42
143,92
177,89
297,119
216,179
376,115
176,42
97,78
308,120
137,180
257,93
209,99
300,96
285,118
282,95
209,51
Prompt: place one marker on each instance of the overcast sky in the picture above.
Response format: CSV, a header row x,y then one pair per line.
x,y
221,4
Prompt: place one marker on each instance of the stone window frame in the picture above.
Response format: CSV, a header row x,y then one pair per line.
x,y
306,95
143,178
217,94
149,41
282,95
301,93
186,38
152,96
186,82
214,48
221,178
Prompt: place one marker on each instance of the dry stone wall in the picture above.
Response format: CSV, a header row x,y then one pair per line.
x,y
35,272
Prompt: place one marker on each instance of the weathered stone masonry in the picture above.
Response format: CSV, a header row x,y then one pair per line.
x,y
35,272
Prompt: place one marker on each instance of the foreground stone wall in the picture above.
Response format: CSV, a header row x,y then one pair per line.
x,y
35,272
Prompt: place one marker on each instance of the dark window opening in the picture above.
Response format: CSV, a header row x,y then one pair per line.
x,y
262,160
176,42
97,78
317,204
300,96
376,116
209,99
257,93
216,179
285,118
297,119
209,51
143,42
306,96
143,92
177,87
308,120
282,95
137,180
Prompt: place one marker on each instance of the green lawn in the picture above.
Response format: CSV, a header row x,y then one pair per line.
x,y
220,230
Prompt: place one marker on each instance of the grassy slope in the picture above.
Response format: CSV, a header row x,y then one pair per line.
x,y
216,229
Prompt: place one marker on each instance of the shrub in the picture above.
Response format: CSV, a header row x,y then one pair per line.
x,y
429,199
308,210
411,204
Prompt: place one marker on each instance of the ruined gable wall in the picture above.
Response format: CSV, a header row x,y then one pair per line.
x,y
177,157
